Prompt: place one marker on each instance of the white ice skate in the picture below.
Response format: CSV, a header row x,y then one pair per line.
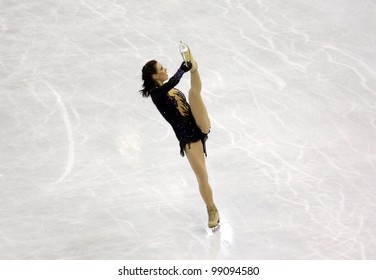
x,y
185,52
187,56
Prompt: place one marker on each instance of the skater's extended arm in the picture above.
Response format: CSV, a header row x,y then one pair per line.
x,y
174,80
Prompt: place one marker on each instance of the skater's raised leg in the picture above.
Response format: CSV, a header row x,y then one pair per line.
x,y
198,107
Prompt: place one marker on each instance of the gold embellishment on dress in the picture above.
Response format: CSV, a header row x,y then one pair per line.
x,y
180,100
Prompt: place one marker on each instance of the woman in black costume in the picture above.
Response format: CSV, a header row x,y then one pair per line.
x,y
190,121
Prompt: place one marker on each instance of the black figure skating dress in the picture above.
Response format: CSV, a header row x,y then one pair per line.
x,y
174,107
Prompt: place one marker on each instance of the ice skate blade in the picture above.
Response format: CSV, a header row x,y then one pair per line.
x,y
216,228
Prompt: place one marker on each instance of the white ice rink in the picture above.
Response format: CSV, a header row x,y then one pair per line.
x,y
90,170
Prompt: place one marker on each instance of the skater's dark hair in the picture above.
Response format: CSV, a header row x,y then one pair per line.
x,y
147,71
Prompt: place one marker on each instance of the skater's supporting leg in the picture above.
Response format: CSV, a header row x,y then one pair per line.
x,y
198,108
196,158
195,155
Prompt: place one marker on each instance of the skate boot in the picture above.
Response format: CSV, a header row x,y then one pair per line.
x,y
187,56
213,216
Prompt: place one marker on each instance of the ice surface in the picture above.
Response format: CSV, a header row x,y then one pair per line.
x,y
90,170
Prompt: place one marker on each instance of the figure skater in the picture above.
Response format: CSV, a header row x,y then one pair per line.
x,y
190,121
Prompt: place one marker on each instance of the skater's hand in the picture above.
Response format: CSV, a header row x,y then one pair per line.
x,y
186,66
